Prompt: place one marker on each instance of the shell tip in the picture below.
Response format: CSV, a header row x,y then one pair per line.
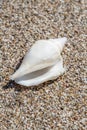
x,y
11,77
65,39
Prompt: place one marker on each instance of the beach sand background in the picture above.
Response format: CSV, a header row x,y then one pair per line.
x,y
55,105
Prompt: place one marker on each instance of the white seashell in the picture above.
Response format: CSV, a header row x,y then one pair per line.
x,y
42,62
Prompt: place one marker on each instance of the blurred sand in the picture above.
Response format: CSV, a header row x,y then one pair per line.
x,y
54,105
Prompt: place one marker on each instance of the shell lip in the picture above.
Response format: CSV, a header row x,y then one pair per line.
x,y
40,76
31,69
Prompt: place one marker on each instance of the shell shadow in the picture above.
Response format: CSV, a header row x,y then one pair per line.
x,y
11,84
19,88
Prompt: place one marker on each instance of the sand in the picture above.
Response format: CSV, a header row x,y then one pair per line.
x,y
60,104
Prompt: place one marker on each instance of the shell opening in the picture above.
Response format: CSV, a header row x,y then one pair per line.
x,y
34,75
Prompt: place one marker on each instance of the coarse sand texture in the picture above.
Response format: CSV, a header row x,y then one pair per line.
x,y
59,104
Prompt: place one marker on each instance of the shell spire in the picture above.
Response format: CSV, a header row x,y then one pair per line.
x,y
60,42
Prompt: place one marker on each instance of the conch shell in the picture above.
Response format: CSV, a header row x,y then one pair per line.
x,y
42,62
